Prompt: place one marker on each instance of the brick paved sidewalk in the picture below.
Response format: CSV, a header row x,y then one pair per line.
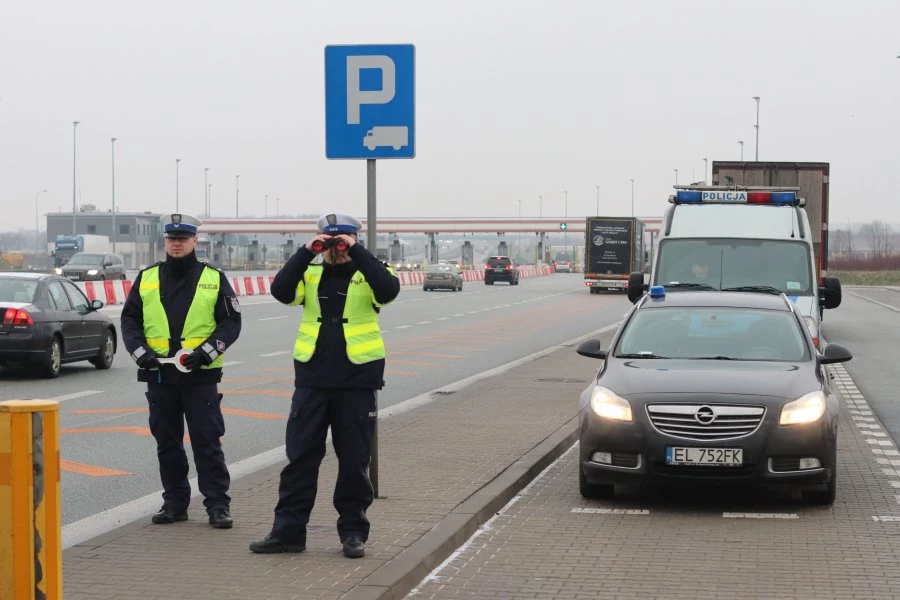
x,y
444,468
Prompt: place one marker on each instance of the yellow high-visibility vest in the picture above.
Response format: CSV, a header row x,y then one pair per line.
x,y
200,322
361,330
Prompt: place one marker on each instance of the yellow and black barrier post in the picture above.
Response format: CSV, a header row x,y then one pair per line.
x,y
30,512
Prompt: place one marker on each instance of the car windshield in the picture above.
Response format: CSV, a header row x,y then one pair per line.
x,y
731,263
17,290
441,269
87,259
713,333
498,262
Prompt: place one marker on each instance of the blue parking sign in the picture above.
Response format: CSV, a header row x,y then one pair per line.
x,y
370,101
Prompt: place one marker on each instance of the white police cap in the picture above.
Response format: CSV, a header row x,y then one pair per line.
x,y
338,223
180,225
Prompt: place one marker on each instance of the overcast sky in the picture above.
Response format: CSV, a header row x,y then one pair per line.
x,y
514,100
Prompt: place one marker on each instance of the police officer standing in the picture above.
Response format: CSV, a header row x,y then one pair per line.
x,y
338,366
182,303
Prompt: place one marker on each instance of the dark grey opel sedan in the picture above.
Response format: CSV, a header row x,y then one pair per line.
x,y
714,387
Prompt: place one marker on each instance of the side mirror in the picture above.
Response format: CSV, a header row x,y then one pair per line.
x,y
107,263
96,304
591,348
835,353
830,292
636,286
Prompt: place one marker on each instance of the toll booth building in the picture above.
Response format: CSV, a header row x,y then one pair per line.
x,y
138,237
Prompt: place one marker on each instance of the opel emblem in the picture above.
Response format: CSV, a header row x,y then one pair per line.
x,y
705,415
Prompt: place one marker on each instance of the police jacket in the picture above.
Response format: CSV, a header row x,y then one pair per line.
x,y
178,280
329,366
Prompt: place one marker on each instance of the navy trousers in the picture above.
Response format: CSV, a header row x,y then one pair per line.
x,y
200,406
351,414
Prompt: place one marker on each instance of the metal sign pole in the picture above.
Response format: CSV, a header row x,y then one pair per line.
x,y
372,246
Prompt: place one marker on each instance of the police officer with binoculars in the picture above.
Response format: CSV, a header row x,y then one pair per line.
x,y
338,366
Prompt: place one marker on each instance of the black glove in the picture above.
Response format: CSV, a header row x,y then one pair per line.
x,y
147,360
197,358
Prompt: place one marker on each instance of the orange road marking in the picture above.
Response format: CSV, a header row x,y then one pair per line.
x,y
428,354
252,379
101,411
90,470
247,413
390,372
256,392
411,362
126,429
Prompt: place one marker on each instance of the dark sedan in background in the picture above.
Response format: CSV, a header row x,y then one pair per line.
x,y
712,387
86,266
442,277
48,321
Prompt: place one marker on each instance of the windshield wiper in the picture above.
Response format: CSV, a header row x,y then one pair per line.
x,y
688,285
765,289
640,355
717,357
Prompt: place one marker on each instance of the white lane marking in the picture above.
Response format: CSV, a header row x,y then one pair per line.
x,y
443,318
886,519
749,515
611,511
402,326
473,312
423,322
74,395
271,354
459,315
231,363
273,318
882,304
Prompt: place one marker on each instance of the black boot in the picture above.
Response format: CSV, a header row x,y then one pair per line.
x,y
168,515
273,545
354,547
220,518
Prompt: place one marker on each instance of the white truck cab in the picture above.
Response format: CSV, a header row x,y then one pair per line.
x,y
740,239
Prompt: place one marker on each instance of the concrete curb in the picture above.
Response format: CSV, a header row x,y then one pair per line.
x,y
401,574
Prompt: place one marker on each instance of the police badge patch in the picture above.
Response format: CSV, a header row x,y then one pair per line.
x,y
220,346
234,304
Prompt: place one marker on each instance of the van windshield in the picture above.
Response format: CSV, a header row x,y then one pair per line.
x,y
727,263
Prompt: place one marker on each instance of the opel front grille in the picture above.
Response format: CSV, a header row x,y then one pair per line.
x,y
705,422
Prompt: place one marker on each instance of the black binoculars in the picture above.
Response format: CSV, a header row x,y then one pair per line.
x,y
319,245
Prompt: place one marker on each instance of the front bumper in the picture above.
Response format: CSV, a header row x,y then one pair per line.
x,y
770,454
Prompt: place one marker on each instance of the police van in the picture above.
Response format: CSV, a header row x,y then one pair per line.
x,y
740,239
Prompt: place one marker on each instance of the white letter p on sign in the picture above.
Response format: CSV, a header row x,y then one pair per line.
x,y
357,97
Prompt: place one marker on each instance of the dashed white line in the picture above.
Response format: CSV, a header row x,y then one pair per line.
x,y
459,315
443,318
423,322
611,511
273,318
231,363
74,395
886,519
402,326
271,354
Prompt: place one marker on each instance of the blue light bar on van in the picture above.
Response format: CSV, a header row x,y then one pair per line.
x,y
735,197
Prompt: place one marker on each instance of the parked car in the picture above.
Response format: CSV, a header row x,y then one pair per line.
x,y
48,321
501,268
711,387
86,266
445,277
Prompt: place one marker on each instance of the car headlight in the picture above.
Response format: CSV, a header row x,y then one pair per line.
x,y
58,271
805,409
93,272
813,328
607,405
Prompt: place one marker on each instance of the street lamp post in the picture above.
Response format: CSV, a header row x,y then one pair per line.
x,y
208,199
541,206
112,144
566,230
266,207
74,172
741,142
705,169
277,210
237,210
177,163
632,198
37,226
206,191
597,209
676,176
757,127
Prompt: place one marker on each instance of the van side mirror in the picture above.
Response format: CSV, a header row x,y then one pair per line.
x,y
835,353
636,286
830,292
591,348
